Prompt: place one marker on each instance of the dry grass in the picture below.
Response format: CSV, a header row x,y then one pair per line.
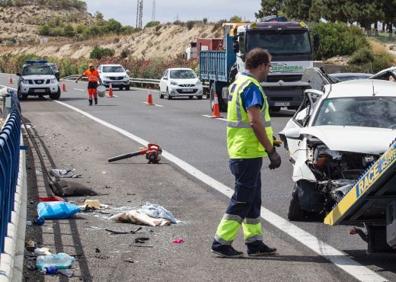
x,y
378,47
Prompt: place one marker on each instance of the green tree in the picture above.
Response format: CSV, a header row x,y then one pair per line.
x,y
269,7
69,31
297,9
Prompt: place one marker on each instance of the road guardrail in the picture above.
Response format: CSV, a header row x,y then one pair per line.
x,y
12,190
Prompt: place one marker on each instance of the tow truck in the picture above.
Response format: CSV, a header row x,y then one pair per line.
x,y
289,43
372,203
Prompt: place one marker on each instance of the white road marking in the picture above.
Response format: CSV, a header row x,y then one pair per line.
x,y
161,106
209,116
79,89
337,257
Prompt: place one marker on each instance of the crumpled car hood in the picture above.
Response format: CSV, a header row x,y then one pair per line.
x,y
365,140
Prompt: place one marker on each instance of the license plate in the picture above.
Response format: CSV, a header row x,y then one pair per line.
x,y
187,90
39,90
282,104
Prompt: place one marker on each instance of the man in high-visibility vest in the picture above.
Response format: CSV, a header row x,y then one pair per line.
x,y
249,139
93,82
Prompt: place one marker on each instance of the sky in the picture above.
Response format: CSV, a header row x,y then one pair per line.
x,y
124,11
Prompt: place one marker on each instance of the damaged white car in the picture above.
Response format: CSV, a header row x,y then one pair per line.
x,y
333,138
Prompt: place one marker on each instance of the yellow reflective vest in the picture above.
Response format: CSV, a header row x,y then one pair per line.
x,y
242,143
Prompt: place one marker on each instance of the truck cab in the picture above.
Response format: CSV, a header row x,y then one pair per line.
x,y
289,44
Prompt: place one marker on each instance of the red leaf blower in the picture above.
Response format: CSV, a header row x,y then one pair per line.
x,y
152,151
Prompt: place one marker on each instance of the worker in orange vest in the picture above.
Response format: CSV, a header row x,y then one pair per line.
x,y
93,82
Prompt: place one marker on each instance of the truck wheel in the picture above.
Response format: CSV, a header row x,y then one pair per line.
x,y
295,212
56,96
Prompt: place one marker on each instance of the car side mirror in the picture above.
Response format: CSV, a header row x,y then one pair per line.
x,y
127,71
18,74
292,133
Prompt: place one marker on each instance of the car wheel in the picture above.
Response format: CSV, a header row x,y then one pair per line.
x,y
295,212
161,95
190,97
121,88
199,97
168,95
128,88
56,96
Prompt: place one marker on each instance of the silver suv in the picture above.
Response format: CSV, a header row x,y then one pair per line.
x,y
38,79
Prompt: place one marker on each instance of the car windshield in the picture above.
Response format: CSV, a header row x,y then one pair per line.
x,y
288,42
362,111
182,74
113,69
37,70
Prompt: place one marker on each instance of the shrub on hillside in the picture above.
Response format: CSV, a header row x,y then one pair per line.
x,y
99,53
363,60
152,24
337,39
190,24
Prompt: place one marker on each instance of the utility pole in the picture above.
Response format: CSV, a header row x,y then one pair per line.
x,y
154,9
139,14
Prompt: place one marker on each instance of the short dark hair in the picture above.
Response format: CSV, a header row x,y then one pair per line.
x,y
256,57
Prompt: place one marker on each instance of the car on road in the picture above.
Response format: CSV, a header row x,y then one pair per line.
x,y
344,76
37,78
180,82
333,138
386,74
114,74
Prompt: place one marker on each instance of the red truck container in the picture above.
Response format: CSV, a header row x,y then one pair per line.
x,y
209,44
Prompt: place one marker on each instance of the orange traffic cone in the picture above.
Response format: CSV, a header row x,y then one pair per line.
x,y
150,100
215,107
110,91
10,81
64,87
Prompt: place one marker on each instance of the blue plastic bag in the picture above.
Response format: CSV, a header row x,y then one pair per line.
x,y
56,210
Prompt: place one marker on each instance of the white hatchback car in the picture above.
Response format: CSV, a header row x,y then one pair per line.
x,y
179,82
115,75
333,138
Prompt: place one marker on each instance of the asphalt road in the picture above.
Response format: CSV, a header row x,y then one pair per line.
x,y
180,128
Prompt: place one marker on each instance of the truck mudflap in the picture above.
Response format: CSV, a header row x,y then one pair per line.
x,y
375,191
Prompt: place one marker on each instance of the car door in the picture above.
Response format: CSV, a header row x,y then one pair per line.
x,y
290,135
164,82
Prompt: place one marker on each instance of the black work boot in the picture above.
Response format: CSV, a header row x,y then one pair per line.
x,y
258,248
90,102
225,251
96,101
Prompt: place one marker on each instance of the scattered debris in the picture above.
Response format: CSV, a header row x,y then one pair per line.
x,y
157,211
64,173
30,245
178,241
360,232
51,199
141,240
71,189
56,210
97,250
115,232
143,246
137,217
90,205
129,260
54,261
42,252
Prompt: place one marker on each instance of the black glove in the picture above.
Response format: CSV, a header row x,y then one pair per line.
x,y
275,159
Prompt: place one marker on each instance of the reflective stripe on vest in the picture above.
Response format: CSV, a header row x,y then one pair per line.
x,y
241,140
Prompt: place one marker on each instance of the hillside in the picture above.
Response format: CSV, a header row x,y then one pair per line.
x,y
161,41
20,24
